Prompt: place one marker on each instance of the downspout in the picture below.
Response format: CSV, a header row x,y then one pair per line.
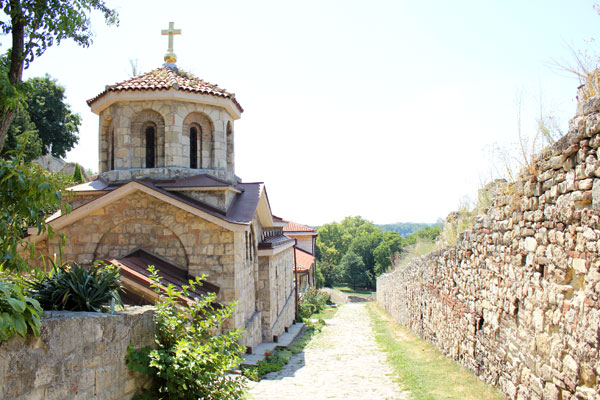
x,y
296,278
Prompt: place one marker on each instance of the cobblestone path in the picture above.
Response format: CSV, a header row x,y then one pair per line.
x,y
342,362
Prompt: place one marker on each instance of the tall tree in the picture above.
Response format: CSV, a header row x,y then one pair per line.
x,y
57,126
34,26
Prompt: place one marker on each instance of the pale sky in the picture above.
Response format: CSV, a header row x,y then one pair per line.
x,y
384,109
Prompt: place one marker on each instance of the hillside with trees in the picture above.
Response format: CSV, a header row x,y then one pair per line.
x,y
356,251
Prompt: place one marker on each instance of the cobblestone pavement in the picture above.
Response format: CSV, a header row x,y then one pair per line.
x,y
342,362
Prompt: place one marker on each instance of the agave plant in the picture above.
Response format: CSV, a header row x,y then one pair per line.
x,y
72,287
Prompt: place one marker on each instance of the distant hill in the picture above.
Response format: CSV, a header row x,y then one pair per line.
x,y
406,228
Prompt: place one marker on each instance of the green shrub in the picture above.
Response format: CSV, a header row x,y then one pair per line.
x,y
72,287
313,301
192,357
77,175
18,312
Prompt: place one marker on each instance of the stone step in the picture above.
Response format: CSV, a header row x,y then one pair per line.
x,y
285,340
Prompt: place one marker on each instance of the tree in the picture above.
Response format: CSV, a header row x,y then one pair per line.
x,y
391,244
57,127
77,175
22,134
28,195
34,26
354,270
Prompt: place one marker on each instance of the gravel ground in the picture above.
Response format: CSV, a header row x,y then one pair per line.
x,y
342,362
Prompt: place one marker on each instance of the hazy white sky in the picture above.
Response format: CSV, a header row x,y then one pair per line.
x,y
384,109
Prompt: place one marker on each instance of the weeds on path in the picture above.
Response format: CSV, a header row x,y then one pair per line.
x,y
421,368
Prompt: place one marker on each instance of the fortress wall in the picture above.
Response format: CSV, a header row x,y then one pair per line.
x,y
516,300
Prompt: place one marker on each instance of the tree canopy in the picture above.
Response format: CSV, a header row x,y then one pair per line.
x,y
356,251
46,123
34,26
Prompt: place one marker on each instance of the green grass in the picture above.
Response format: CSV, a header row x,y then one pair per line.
x,y
421,368
364,293
327,313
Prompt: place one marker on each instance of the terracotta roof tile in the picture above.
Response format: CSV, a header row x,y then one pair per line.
x,y
304,260
165,78
295,227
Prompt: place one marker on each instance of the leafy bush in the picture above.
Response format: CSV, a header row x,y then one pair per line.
x,y
18,312
313,301
72,287
28,195
192,357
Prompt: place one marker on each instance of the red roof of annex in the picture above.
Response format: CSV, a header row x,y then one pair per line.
x,y
295,227
304,260
165,78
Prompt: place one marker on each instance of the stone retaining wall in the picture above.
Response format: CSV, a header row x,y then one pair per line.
x,y
78,356
516,299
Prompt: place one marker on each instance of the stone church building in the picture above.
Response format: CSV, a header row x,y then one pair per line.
x,y
167,192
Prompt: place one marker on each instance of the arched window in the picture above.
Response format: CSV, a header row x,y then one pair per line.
x,y
229,146
112,148
150,146
193,147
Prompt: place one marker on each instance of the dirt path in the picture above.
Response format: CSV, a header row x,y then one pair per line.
x,y
342,362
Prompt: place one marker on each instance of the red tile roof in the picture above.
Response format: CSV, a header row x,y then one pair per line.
x,y
134,270
304,260
294,227
165,78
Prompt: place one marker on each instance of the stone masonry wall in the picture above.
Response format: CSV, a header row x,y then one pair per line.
x,y
78,356
516,299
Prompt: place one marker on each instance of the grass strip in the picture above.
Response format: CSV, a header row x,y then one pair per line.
x,y
422,369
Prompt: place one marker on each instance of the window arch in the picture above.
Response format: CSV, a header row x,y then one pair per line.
x,y
195,146
111,148
205,140
150,144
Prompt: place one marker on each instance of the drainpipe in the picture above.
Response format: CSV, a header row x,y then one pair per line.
x,y
296,279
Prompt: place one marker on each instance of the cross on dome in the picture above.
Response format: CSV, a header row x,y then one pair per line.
x,y
170,57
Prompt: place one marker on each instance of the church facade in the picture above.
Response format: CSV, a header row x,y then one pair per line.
x,y
167,189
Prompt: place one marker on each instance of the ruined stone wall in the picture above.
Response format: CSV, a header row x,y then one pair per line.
x,y
516,299
78,356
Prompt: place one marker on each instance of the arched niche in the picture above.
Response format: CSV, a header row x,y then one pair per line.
x,y
147,124
107,144
130,234
205,139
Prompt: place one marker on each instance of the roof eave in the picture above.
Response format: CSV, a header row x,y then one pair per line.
x,y
105,100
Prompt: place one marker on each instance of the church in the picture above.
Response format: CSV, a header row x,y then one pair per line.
x,y
167,194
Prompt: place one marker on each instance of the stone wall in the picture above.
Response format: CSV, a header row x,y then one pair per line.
x,y
77,356
516,299
276,292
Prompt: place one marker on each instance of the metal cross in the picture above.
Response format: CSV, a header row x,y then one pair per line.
x,y
171,32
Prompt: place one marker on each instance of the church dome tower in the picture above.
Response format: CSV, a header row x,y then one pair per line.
x,y
165,124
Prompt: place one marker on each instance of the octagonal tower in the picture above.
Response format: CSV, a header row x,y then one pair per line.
x,y
165,124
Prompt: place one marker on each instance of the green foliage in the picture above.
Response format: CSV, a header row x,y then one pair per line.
x,y
354,270
28,195
391,244
405,228
313,301
77,175
34,26
192,355
57,127
22,134
72,287
18,312
320,278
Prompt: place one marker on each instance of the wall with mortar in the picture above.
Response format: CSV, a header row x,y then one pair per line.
x,y
77,356
516,299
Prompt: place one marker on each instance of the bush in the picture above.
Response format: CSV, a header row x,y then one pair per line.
x,y
312,302
18,312
72,287
192,357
